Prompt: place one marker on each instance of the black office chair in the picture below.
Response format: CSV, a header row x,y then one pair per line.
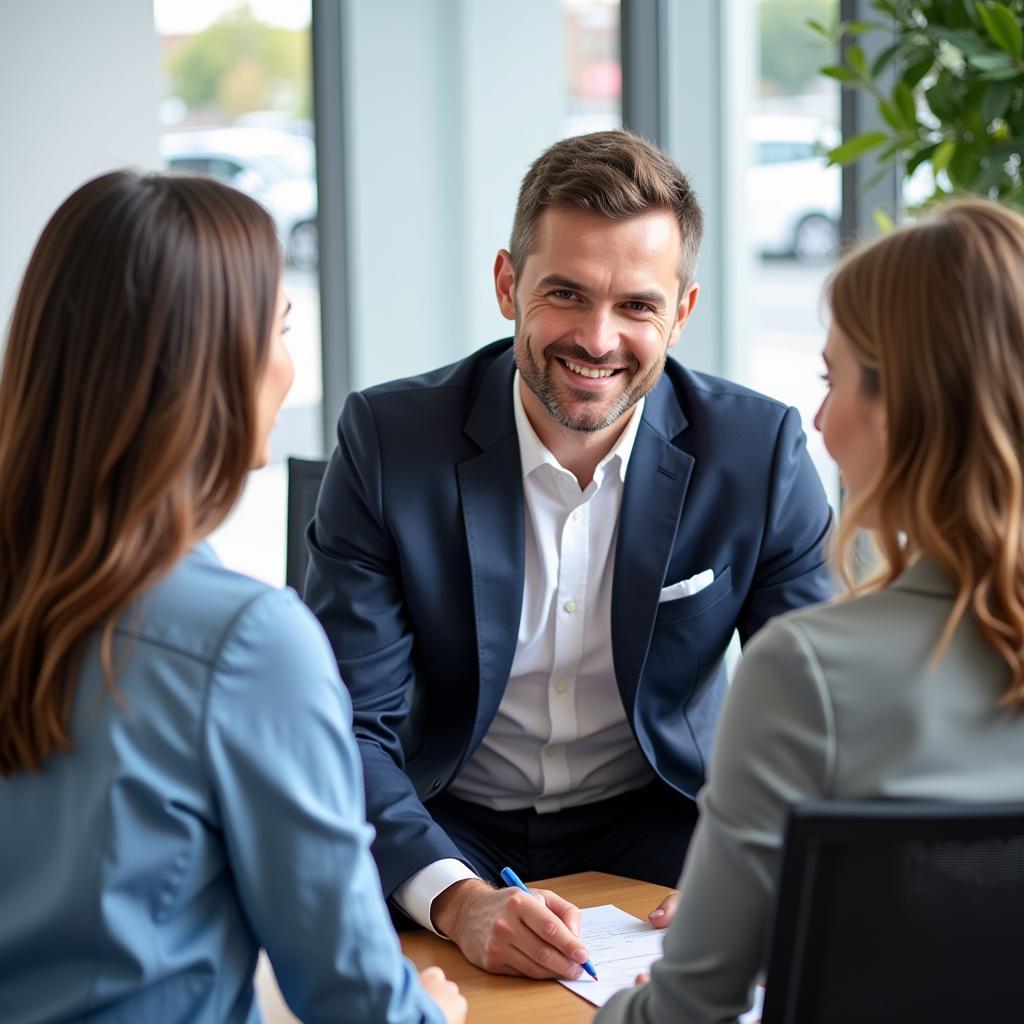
x,y
304,476
899,912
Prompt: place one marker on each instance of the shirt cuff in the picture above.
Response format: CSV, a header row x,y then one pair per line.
x,y
417,893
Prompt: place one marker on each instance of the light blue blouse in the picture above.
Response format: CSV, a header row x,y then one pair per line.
x,y
215,807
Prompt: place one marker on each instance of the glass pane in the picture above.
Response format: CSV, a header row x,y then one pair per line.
x,y
793,204
237,105
593,70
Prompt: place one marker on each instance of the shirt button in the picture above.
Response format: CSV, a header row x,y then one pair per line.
x,y
570,606
576,513
551,751
562,685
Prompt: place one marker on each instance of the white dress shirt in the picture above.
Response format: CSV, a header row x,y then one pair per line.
x,y
560,737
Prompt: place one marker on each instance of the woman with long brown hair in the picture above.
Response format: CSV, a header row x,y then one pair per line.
x,y
912,686
179,778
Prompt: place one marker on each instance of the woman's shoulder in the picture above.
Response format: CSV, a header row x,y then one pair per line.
x,y
866,638
200,605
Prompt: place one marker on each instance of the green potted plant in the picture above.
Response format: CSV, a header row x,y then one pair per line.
x,y
953,93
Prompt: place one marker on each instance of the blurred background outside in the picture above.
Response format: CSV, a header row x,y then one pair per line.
x,y
237,104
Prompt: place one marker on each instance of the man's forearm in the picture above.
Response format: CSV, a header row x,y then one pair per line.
x,y
448,906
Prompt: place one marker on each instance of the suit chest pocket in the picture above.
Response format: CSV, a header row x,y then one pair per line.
x,y
696,604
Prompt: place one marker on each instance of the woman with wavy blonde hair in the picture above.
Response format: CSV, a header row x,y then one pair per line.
x,y
912,685
178,777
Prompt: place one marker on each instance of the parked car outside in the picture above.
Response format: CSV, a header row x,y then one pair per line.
x,y
793,198
276,168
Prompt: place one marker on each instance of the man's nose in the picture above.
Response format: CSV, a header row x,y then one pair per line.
x,y
598,334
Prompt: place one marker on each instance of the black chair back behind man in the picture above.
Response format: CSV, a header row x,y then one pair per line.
x,y
895,911
304,476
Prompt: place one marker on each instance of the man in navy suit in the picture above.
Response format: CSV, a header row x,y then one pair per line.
x,y
530,564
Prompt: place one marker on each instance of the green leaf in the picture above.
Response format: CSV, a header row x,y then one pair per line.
x,y
883,221
941,157
856,28
884,59
856,147
999,74
1010,27
971,11
995,101
891,116
966,42
964,166
991,62
1002,27
856,59
990,179
1002,151
904,100
893,149
886,7
1015,197
942,99
920,156
918,70
816,26
841,74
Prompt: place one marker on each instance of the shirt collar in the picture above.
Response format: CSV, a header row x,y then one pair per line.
x,y
532,452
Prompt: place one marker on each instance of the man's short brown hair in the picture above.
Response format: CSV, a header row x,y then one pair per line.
x,y
616,174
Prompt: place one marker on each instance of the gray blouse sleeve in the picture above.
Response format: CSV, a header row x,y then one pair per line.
x,y
774,748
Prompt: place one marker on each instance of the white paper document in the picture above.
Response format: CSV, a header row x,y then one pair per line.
x,y
621,947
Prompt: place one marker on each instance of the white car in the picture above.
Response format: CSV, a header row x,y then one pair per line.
x,y
274,167
793,198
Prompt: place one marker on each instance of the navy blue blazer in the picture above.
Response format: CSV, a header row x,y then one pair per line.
x,y
417,563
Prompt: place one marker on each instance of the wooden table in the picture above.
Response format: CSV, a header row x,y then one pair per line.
x,y
498,999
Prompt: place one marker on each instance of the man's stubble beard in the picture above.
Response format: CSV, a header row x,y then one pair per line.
x,y
538,378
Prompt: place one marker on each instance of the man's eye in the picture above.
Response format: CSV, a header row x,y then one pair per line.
x,y
826,380
639,307
565,294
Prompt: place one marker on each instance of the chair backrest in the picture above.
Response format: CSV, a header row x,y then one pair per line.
x,y
899,911
304,476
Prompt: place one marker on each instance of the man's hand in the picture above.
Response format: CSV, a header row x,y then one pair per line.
x,y
508,931
661,916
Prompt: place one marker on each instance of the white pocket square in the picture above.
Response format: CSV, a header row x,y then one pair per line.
x,y
687,588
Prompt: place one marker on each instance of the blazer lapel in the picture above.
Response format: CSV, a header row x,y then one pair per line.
x,y
491,492
652,502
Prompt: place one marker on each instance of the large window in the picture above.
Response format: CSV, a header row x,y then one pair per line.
x,y
793,204
430,174
237,105
593,71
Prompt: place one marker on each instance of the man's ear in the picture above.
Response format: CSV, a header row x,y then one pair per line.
x,y
687,304
505,284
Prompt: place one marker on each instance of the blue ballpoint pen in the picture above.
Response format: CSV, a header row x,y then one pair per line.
x,y
509,877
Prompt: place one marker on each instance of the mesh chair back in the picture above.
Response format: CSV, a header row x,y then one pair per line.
x,y
899,912
304,476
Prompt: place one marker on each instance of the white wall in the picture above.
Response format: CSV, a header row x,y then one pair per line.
x,y
79,89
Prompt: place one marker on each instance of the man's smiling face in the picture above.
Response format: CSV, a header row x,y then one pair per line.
x,y
597,307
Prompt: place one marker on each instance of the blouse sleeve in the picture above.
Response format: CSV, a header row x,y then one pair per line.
x,y
774,748
288,785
